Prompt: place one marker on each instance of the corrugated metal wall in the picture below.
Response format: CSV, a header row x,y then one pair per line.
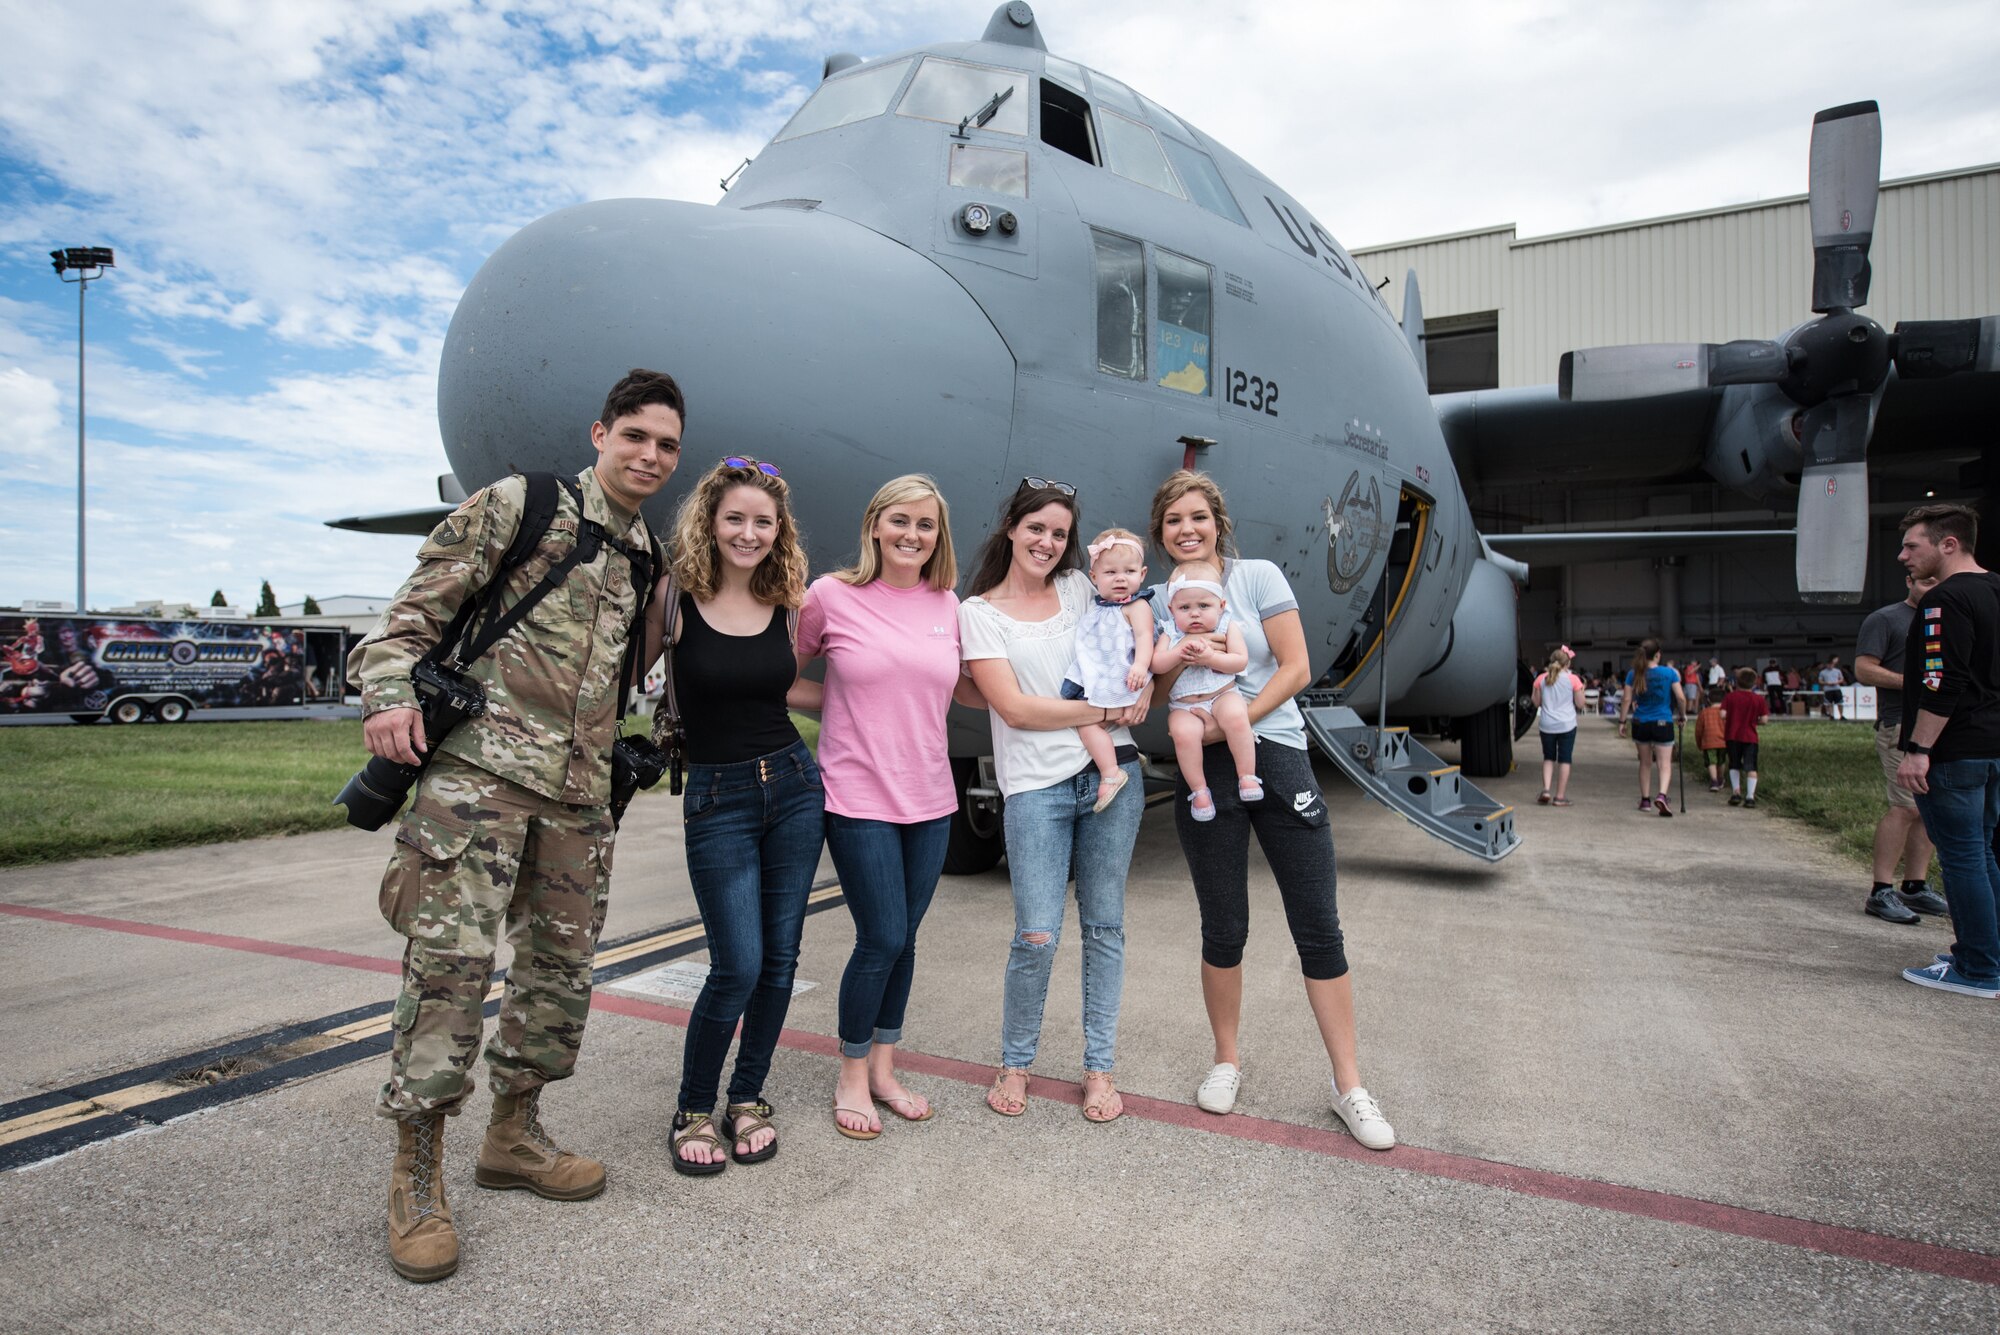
x,y
1743,272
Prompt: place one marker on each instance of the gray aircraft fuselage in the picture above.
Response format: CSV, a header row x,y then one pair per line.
x,y
839,314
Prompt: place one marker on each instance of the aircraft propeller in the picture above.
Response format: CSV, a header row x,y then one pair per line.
x,y
1834,368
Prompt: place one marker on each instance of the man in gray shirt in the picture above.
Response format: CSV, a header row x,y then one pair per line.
x,y
1878,662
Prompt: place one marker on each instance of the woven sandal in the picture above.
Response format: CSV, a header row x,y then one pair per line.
x,y
742,1120
696,1127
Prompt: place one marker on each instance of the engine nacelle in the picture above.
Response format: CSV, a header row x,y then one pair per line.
x,y
1754,444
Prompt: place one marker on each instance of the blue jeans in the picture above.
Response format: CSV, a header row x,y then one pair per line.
x,y
1052,834
888,873
1960,812
753,837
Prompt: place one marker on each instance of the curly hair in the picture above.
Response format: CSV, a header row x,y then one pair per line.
x,y
1178,484
941,570
779,579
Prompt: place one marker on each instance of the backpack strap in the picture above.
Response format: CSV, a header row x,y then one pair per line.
x,y
590,539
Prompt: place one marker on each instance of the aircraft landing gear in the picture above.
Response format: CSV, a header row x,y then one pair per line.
x,y
976,843
1486,741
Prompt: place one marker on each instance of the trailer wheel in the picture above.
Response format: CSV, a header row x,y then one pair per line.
x,y
85,718
171,711
128,711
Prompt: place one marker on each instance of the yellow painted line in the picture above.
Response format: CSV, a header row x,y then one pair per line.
x,y
33,1124
123,1100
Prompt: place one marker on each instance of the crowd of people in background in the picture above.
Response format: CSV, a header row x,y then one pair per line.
x,y
1819,687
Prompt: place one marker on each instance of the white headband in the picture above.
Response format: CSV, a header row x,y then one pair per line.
x,y
1206,584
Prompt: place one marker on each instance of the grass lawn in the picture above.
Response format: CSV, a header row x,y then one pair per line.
x,y
69,792
1826,775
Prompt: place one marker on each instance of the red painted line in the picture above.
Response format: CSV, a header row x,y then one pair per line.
x,y
306,954
1831,1239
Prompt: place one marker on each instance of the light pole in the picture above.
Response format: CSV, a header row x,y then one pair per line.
x,y
86,262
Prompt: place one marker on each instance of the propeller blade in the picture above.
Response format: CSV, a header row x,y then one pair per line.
x,y
1643,370
1832,556
1931,349
1846,173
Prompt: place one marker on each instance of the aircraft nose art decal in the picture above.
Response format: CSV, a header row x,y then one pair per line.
x,y
1354,530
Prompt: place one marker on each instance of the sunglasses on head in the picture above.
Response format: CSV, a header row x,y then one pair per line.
x,y
1046,484
745,461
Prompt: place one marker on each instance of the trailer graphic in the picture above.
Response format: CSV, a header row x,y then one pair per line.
x,y
132,669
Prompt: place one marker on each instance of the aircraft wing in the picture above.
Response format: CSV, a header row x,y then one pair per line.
x,y
1584,548
420,521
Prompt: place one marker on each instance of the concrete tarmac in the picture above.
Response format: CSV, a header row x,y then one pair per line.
x,y
1647,1074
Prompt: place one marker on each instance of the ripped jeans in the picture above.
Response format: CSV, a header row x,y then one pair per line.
x,y
1052,833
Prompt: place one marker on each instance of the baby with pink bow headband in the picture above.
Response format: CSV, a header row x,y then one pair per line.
x,y
1114,645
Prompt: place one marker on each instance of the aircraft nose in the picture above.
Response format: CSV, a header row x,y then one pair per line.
x,y
796,336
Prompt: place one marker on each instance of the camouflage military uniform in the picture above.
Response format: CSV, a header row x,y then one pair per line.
x,y
510,825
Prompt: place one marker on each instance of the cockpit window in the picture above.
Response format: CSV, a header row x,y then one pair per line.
x,y
1063,72
1180,330
1133,151
1066,122
842,101
1113,94
945,90
1204,183
1165,119
1121,305
1001,171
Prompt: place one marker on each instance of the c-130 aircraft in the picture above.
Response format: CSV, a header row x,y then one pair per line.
x,y
982,261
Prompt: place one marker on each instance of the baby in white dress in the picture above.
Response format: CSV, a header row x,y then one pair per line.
x,y
1114,645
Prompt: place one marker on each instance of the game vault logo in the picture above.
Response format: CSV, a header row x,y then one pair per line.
x,y
183,653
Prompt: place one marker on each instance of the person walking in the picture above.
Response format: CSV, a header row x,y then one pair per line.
x,y
1558,700
1950,737
887,628
1899,835
754,805
1653,704
1190,523
1018,635
511,828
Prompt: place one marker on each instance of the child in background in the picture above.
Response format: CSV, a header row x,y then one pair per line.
x,y
1709,736
1558,698
1114,645
1206,687
1742,710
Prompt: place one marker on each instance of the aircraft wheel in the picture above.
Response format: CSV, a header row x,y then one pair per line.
x,y
128,711
975,844
1486,741
171,711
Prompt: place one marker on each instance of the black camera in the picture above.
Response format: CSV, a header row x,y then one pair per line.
x,y
446,699
635,764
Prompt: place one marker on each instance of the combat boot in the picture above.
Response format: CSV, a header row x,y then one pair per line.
x,y
519,1153
423,1244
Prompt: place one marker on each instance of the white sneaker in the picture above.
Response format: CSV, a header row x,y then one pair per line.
x,y
1364,1118
1218,1093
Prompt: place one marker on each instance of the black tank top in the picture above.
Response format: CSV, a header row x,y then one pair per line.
x,y
731,689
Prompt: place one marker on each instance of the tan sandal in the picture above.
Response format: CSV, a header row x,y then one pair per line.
x,y
1094,1109
930,1109
849,1131
999,1092
697,1127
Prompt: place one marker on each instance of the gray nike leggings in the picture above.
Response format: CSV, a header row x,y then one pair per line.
x,y
1292,828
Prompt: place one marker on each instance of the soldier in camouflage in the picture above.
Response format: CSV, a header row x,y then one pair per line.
x,y
510,828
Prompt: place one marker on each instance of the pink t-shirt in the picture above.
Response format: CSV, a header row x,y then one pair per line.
x,y
891,663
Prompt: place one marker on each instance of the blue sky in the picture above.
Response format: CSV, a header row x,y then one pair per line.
x,y
298,194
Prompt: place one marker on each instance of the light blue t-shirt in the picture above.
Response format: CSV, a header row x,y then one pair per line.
x,y
1255,589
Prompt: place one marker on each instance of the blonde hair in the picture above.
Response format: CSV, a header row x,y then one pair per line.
x,y
1559,662
1199,568
941,570
1138,543
1178,484
779,579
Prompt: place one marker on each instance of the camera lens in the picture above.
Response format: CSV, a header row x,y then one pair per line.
x,y
376,793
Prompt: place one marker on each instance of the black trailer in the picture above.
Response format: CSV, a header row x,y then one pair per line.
x,y
134,669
